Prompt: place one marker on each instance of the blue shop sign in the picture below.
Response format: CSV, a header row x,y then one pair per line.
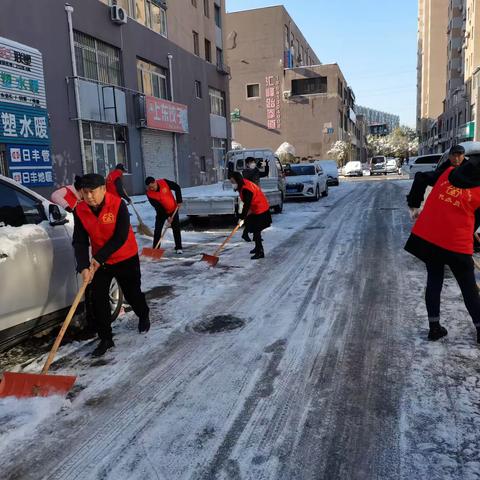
x,y
23,124
30,165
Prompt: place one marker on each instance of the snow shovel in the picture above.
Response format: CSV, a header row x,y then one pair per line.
x,y
22,385
213,259
142,228
157,252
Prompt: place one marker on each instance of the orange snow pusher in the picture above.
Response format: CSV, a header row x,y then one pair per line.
x,y
213,259
21,385
157,252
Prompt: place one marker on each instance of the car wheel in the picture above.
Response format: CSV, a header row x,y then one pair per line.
x,y
116,299
325,192
279,208
317,194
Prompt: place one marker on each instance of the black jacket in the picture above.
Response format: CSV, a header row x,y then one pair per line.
x,y
254,174
175,187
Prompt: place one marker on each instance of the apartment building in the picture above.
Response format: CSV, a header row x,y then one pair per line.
x,y
472,67
142,82
433,17
280,91
378,122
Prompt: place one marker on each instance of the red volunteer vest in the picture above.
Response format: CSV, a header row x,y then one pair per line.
x,y
164,196
259,201
100,229
448,218
111,179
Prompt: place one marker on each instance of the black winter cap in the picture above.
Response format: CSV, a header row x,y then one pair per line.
x,y
92,180
457,149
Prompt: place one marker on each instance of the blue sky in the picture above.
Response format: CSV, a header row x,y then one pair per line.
x,y
373,41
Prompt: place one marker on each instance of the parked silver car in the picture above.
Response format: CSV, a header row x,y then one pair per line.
x,y
37,264
306,180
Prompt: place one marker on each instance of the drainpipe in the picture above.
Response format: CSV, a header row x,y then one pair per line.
x,y
69,10
175,146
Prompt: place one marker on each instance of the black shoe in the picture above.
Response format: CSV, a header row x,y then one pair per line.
x,y
252,252
245,236
436,332
102,347
144,324
258,255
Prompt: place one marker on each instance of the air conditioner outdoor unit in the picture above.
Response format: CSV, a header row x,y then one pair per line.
x,y
287,94
118,14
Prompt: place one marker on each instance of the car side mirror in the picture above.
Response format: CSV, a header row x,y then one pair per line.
x,y
56,216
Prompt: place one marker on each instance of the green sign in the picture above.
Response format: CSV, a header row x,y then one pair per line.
x,y
235,115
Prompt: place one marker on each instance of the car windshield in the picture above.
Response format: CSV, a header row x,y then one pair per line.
x,y
297,170
376,160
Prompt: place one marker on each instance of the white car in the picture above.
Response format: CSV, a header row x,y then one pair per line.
x,y
353,169
423,163
306,180
37,264
392,166
471,148
331,169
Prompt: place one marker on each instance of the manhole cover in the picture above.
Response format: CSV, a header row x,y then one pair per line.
x,y
218,324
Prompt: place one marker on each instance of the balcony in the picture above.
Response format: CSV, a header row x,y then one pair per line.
x,y
223,69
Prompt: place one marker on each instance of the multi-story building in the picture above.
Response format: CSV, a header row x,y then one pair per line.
x,y
142,82
472,67
279,90
431,63
377,118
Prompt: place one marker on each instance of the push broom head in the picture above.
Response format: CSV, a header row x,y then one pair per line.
x,y
23,385
144,230
211,259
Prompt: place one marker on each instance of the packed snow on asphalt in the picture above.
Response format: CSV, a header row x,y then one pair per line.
x,y
310,364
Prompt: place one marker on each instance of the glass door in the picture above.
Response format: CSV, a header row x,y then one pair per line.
x,y
99,151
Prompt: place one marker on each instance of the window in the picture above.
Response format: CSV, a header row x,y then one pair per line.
x,y
17,209
253,90
208,51
309,86
219,57
146,12
217,102
203,164
206,8
152,80
196,44
218,16
97,60
198,89
219,148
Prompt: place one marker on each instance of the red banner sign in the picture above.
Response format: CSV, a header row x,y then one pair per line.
x,y
165,115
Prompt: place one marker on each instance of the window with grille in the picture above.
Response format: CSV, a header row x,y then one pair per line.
x,y
217,102
152,80
198,89
97,60
196,44
208,51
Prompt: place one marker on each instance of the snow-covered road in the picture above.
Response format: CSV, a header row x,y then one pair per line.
x,y
311,364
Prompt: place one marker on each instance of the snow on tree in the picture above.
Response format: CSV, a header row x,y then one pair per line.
x,y
339,152
236,146
286,153
402,142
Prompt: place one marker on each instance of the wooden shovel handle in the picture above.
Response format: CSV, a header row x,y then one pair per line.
x,y
222,246
167,226
65,325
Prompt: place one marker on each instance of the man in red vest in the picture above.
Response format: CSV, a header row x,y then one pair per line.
x,y
160,195
69,195
115,183
102,224
443,235
255,212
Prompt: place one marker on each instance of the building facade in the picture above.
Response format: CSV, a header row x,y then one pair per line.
x,y
377,118
149,89
431,63
280,91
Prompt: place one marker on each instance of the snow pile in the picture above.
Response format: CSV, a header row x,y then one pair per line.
x,y
285,149
13,237
19,419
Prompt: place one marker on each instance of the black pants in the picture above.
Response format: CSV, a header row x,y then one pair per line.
x,y
464,274
160,222
128,276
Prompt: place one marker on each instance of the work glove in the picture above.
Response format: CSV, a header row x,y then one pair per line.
x,y
414,213
241,222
